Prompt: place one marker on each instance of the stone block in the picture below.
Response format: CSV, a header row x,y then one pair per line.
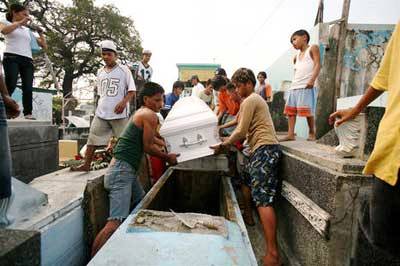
x,y
95,205
34,148
330,139
19,247
26,202
373,116
336,194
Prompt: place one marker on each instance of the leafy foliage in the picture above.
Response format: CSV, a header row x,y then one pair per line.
x,y
73,34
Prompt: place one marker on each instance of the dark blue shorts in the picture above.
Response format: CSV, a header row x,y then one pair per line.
x,y
261,174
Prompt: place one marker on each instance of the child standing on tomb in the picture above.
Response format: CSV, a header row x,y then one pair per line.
x,y
302,93
121,179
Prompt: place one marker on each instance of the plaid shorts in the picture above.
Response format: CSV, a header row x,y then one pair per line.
x,y
261,174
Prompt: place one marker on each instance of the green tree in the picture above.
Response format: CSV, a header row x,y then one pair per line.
x,y
73,34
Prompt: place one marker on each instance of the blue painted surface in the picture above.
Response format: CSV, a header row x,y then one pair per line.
x,y
172,248
62,242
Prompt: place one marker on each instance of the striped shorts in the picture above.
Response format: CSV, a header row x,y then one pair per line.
x,y
301,102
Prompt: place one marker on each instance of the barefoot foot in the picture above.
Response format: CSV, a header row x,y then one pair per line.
x,y
311,137
80,168
287,138
272,260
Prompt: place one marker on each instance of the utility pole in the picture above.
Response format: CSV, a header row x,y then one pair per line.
x,y
320,14
341,46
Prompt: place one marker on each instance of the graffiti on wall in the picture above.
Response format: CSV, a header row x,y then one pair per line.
x,y
364,50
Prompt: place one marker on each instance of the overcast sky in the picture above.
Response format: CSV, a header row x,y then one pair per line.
x,y
233,33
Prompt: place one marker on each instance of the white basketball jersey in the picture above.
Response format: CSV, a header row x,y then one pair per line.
x,y
112,86
145,72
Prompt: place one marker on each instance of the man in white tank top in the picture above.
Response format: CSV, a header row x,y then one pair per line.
x,y
302,93
116,88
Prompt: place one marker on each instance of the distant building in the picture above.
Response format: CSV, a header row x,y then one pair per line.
x,y
203,71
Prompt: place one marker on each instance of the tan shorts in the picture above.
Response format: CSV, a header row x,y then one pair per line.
x,y
101,130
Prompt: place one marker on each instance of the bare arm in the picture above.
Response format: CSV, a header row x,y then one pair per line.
x,y
232,123
12,106
120,107
6,29
344,115
149,125
314,53
42,41
244,120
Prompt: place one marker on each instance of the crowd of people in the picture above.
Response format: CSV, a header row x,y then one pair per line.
x,y
244,119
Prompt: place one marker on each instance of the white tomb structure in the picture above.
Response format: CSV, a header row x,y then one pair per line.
x,y
190,129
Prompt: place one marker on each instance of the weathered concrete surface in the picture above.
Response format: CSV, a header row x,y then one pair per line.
x,y
374,116
330,139
326,79
19,247
26,202
334,185
322,155
364,49
96,208
34,148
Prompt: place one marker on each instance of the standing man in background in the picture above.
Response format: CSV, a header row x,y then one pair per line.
x,y
116,88
142,72
197,86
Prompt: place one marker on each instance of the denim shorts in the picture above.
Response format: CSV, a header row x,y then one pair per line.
x,y
122,184
261,174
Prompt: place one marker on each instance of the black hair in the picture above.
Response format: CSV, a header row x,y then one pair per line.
x,y
149,89
218,81
230,86
14,8
262,73
195,77
244,75
208,82
178,84
300,33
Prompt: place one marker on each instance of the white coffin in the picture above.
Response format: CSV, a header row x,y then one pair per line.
x,y
190,128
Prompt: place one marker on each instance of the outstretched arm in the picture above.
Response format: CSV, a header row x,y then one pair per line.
x,y
344,115
149,125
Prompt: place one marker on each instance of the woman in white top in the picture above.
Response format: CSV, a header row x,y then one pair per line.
x,y
18,53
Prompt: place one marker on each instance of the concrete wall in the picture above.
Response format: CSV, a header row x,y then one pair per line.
x,y
34,148
364,49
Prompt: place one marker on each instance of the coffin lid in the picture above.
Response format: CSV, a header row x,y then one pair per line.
x,y
188,112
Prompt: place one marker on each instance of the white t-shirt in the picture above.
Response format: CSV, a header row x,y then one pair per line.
x,y
112,86
145,72
18,41
197,89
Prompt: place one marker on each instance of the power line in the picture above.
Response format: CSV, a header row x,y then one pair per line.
x,y
276,8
